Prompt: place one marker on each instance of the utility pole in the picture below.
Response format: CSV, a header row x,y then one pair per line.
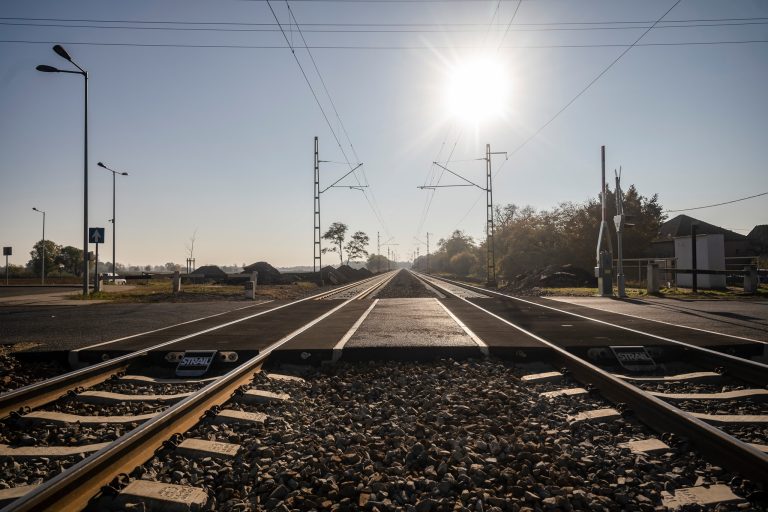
x,y
490,253
378,252
618,220
317,263
387,244
604,257
427,252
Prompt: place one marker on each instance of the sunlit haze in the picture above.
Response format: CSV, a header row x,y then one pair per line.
x,y
477,89
205,106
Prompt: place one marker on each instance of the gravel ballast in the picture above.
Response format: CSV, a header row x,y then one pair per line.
x,y
452,436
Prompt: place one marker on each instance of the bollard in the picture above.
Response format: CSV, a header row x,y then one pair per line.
x,y
250,290
176,282
652,281
750,279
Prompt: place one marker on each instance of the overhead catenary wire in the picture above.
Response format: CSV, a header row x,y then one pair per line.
x,y
573,100
322,109
371,47
716,204
432,194
481,26
585,88
356,28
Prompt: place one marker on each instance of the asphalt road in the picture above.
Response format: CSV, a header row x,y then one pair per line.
x,y
17,291
68,327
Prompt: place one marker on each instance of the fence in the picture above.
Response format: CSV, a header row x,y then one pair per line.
x,y
636,270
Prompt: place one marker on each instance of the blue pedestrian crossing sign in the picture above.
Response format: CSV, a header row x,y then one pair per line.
x,y
96,235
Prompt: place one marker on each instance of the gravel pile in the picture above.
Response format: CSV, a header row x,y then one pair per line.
x,y
72,405
443,436
44,434
16,374
689,387
404,286
757,434
146,388
740,406
30,472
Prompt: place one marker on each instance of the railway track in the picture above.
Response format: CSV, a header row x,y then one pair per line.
x,y
68,402
445,435
676,412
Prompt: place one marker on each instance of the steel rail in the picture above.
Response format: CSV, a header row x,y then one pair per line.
x,y
654,412
745,369
384,283
74,488
46,391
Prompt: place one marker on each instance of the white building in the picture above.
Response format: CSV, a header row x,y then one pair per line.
x,y
710,255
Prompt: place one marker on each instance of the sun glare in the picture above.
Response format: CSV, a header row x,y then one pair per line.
x,y
477,90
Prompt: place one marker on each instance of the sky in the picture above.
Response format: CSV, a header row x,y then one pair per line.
x,y
204,105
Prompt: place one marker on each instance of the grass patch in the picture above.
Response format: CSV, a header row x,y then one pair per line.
x,y
680,293
162,291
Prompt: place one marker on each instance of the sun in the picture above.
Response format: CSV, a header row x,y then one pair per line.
x,y
477,89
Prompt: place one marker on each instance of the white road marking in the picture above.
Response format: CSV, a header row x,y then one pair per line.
x,y
668,323
670,340
169,327
339,347
480,343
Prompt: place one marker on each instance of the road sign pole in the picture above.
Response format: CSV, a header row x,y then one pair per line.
x,y
7,251
96,271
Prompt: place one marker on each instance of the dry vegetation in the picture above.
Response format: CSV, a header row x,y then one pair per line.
x,y
162,291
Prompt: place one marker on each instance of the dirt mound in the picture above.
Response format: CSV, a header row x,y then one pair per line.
x,y
267,273
333,276
350,273
553,276
363,272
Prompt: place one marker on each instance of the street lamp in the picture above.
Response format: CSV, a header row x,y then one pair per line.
x,y
114,173
61,52
42,260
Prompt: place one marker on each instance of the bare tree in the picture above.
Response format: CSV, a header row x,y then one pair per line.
x,y
191,250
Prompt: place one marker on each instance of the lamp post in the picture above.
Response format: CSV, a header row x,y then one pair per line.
x,y
61,52
114,173
42,260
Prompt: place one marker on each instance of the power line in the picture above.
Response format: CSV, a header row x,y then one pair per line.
x,y
319,104
372,203
583,90
322,81
266,28
309,84
383,48
509,25
482,26
717,204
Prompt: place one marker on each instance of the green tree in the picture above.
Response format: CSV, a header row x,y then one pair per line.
x,y
377,263
336,234
527,239
462,263
72,259
51,253
356,246
458,242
